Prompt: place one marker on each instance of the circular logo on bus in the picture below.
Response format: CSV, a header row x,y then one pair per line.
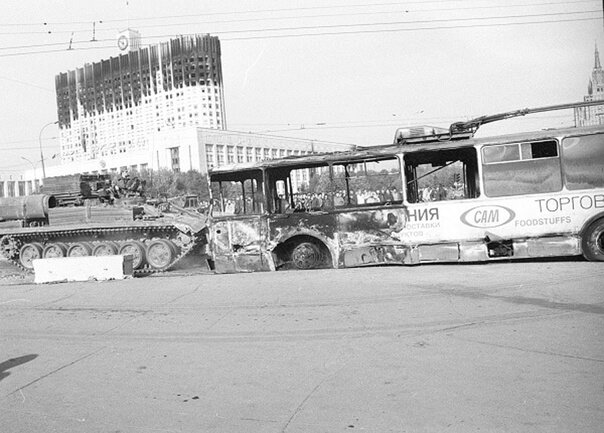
x,y
487,216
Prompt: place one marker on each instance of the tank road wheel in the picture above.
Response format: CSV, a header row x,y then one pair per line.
x,y
29,253
160,253
78,249
55,250
9,246
307,255
136,250
592,241
105,249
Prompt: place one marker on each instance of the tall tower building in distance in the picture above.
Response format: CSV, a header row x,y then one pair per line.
x,y
594,115
115,106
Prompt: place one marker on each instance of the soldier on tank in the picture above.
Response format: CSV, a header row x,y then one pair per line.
x,y
106,194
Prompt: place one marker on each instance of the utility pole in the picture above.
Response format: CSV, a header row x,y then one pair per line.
x,y
42,153
33,184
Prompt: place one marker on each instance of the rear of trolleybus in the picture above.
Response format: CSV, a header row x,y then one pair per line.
x,y
583,171
554,185
517,196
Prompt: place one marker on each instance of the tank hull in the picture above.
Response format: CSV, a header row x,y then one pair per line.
x,y
156,241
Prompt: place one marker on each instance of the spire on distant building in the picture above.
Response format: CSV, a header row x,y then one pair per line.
x,y
596,83
593,115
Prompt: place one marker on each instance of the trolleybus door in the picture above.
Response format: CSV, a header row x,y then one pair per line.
x,y
239,226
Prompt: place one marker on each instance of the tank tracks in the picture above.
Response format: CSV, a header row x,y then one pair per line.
x,y
175,246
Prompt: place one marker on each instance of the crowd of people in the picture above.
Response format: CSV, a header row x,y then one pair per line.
x,y
324,201
440,192
316,201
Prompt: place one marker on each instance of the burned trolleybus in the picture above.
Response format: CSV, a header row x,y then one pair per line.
x,y
442,197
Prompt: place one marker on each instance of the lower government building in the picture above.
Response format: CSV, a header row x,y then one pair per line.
x,y
180,150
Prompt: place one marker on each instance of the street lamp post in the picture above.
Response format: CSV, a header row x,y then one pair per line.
x,y
41,153
33,166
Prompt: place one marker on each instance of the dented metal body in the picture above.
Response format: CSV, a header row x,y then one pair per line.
x,y
510,197
351,239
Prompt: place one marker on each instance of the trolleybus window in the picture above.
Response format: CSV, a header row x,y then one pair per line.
x,y
502,153
300,189
441,175
583,161
240,194
370,182
327,187
521,168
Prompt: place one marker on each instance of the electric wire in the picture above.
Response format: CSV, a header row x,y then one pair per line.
x,y
411,29
272,18
261,127
272,11
364,31
27,84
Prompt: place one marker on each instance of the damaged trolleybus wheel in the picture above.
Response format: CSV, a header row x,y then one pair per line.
x,y
307,255
593,241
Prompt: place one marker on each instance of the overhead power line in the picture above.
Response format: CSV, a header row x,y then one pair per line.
x,y
93,45
16,148
361,5
301,125
391,23
294,9
244,12
27,84
410,29
384,123
405,9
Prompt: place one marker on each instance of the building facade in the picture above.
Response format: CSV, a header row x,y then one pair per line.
x,y
150,108
182,149
593,115
113,106
199,149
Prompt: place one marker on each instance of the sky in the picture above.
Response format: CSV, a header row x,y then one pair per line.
x,y
336,70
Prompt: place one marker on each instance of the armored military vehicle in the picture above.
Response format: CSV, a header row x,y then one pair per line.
x,y
35,226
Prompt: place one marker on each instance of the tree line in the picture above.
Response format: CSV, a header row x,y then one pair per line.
x,y
168,183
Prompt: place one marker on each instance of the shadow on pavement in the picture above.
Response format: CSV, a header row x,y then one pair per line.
x,y
14,362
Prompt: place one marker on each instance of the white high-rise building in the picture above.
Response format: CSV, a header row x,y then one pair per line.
x,y
114,106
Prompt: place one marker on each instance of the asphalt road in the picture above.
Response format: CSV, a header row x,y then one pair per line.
x,y
501,347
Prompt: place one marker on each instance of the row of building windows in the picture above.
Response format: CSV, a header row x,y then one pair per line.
x,y
12,188
137,168
218,155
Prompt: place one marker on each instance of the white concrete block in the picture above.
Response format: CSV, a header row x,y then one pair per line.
x,y
82,268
